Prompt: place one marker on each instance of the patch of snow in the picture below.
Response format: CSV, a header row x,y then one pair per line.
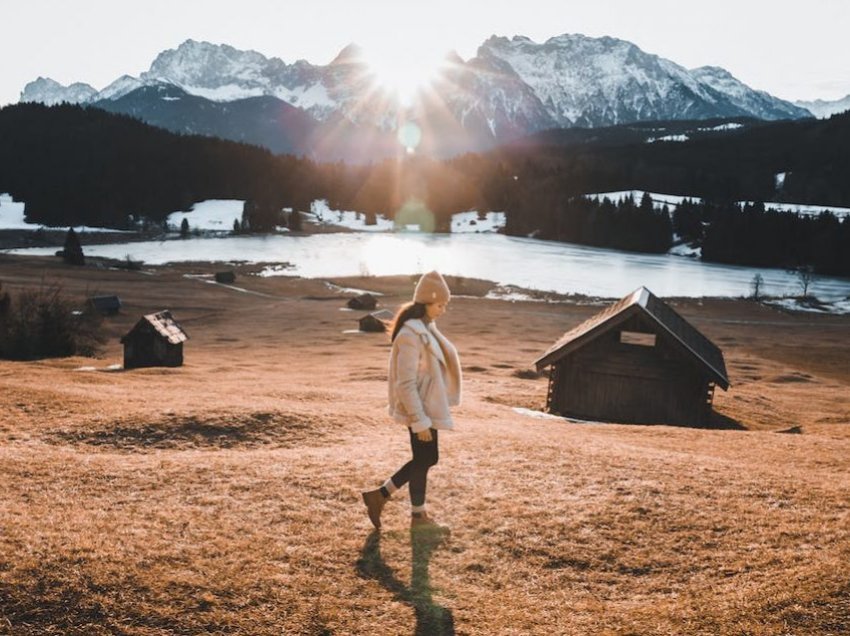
x,y
12,218
284,269
307,97
512,296
12,215
800,209
469,222
216,215
226,93
321,213
659,199
170,99
821,307
540,415
779,179
683,249
729,126
350,290
652,140
111,367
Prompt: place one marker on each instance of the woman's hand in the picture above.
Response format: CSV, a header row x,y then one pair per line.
x,y
425,436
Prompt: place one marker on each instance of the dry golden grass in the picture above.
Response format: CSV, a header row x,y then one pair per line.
x,y
223,497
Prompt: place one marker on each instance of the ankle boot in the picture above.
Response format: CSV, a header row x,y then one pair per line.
x,y
374,501
421,522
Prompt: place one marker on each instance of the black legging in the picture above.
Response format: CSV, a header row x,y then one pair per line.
x,y
425,455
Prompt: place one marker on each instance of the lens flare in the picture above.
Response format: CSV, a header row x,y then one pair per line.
x,y
415,215
409,135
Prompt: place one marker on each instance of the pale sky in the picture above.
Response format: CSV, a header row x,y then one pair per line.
x,y
794,50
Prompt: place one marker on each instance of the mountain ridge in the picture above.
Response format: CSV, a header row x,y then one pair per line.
x,y
511,88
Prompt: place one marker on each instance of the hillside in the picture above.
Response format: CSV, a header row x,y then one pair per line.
x,y
223,496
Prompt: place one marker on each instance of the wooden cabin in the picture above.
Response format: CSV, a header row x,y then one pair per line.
x,y
365,302
377,321
228,278
637,361
155,341
105,305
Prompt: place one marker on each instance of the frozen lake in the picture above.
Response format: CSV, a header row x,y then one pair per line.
x,y
523,262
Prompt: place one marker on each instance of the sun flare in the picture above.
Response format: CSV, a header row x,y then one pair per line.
x,y
404,70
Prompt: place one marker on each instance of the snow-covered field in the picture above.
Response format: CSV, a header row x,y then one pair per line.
x,y
469,222
322,214
672,200
12,218
463,222
802,210
215,215
657,198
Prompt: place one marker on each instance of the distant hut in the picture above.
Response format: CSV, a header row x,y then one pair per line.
x,y
365,302
227,278
377,321
155,341
637,361
105,305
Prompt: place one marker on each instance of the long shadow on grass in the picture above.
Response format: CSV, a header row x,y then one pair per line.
x,y
431,618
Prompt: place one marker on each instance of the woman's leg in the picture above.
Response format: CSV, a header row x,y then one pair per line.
x,y
415,472
425,455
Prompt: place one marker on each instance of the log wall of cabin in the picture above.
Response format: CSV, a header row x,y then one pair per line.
x,y
608,380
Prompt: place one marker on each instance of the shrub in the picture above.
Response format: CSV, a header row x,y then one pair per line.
x,y
44,323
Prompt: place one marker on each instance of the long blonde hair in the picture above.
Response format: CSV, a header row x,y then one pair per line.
x,y
405,313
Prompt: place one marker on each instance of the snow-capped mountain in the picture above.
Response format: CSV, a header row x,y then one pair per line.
x,y
823,109
593,82
757,103
511,88
51,92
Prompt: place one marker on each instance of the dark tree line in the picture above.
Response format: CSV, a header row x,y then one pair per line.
x,y
623,225
766,237
74,165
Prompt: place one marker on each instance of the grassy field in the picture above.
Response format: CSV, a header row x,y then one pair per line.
x,y
222,497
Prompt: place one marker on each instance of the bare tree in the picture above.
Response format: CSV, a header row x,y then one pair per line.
x,y
756,285
805,277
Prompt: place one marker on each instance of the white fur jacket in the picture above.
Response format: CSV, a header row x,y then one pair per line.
x,y
424,377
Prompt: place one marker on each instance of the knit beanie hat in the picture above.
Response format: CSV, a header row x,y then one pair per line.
x,y
431,288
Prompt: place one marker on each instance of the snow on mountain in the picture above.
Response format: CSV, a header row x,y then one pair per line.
x,y
205,66
757,103
585,81
120,87
592,82
51,92
824,109
512,88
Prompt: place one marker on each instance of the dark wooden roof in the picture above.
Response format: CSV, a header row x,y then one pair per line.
x,y
106,304
164,324
641,300
384,315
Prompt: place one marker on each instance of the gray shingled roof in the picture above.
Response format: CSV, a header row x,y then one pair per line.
x,y
705,351
163,322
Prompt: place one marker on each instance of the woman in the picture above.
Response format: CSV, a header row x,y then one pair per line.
x,y
424,381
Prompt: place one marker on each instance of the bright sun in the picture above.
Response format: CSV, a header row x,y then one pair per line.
x,y
404,69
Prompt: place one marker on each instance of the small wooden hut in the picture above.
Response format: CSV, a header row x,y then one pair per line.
x,y
377,321
637,361
155,341
105,305
365,302
228,278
